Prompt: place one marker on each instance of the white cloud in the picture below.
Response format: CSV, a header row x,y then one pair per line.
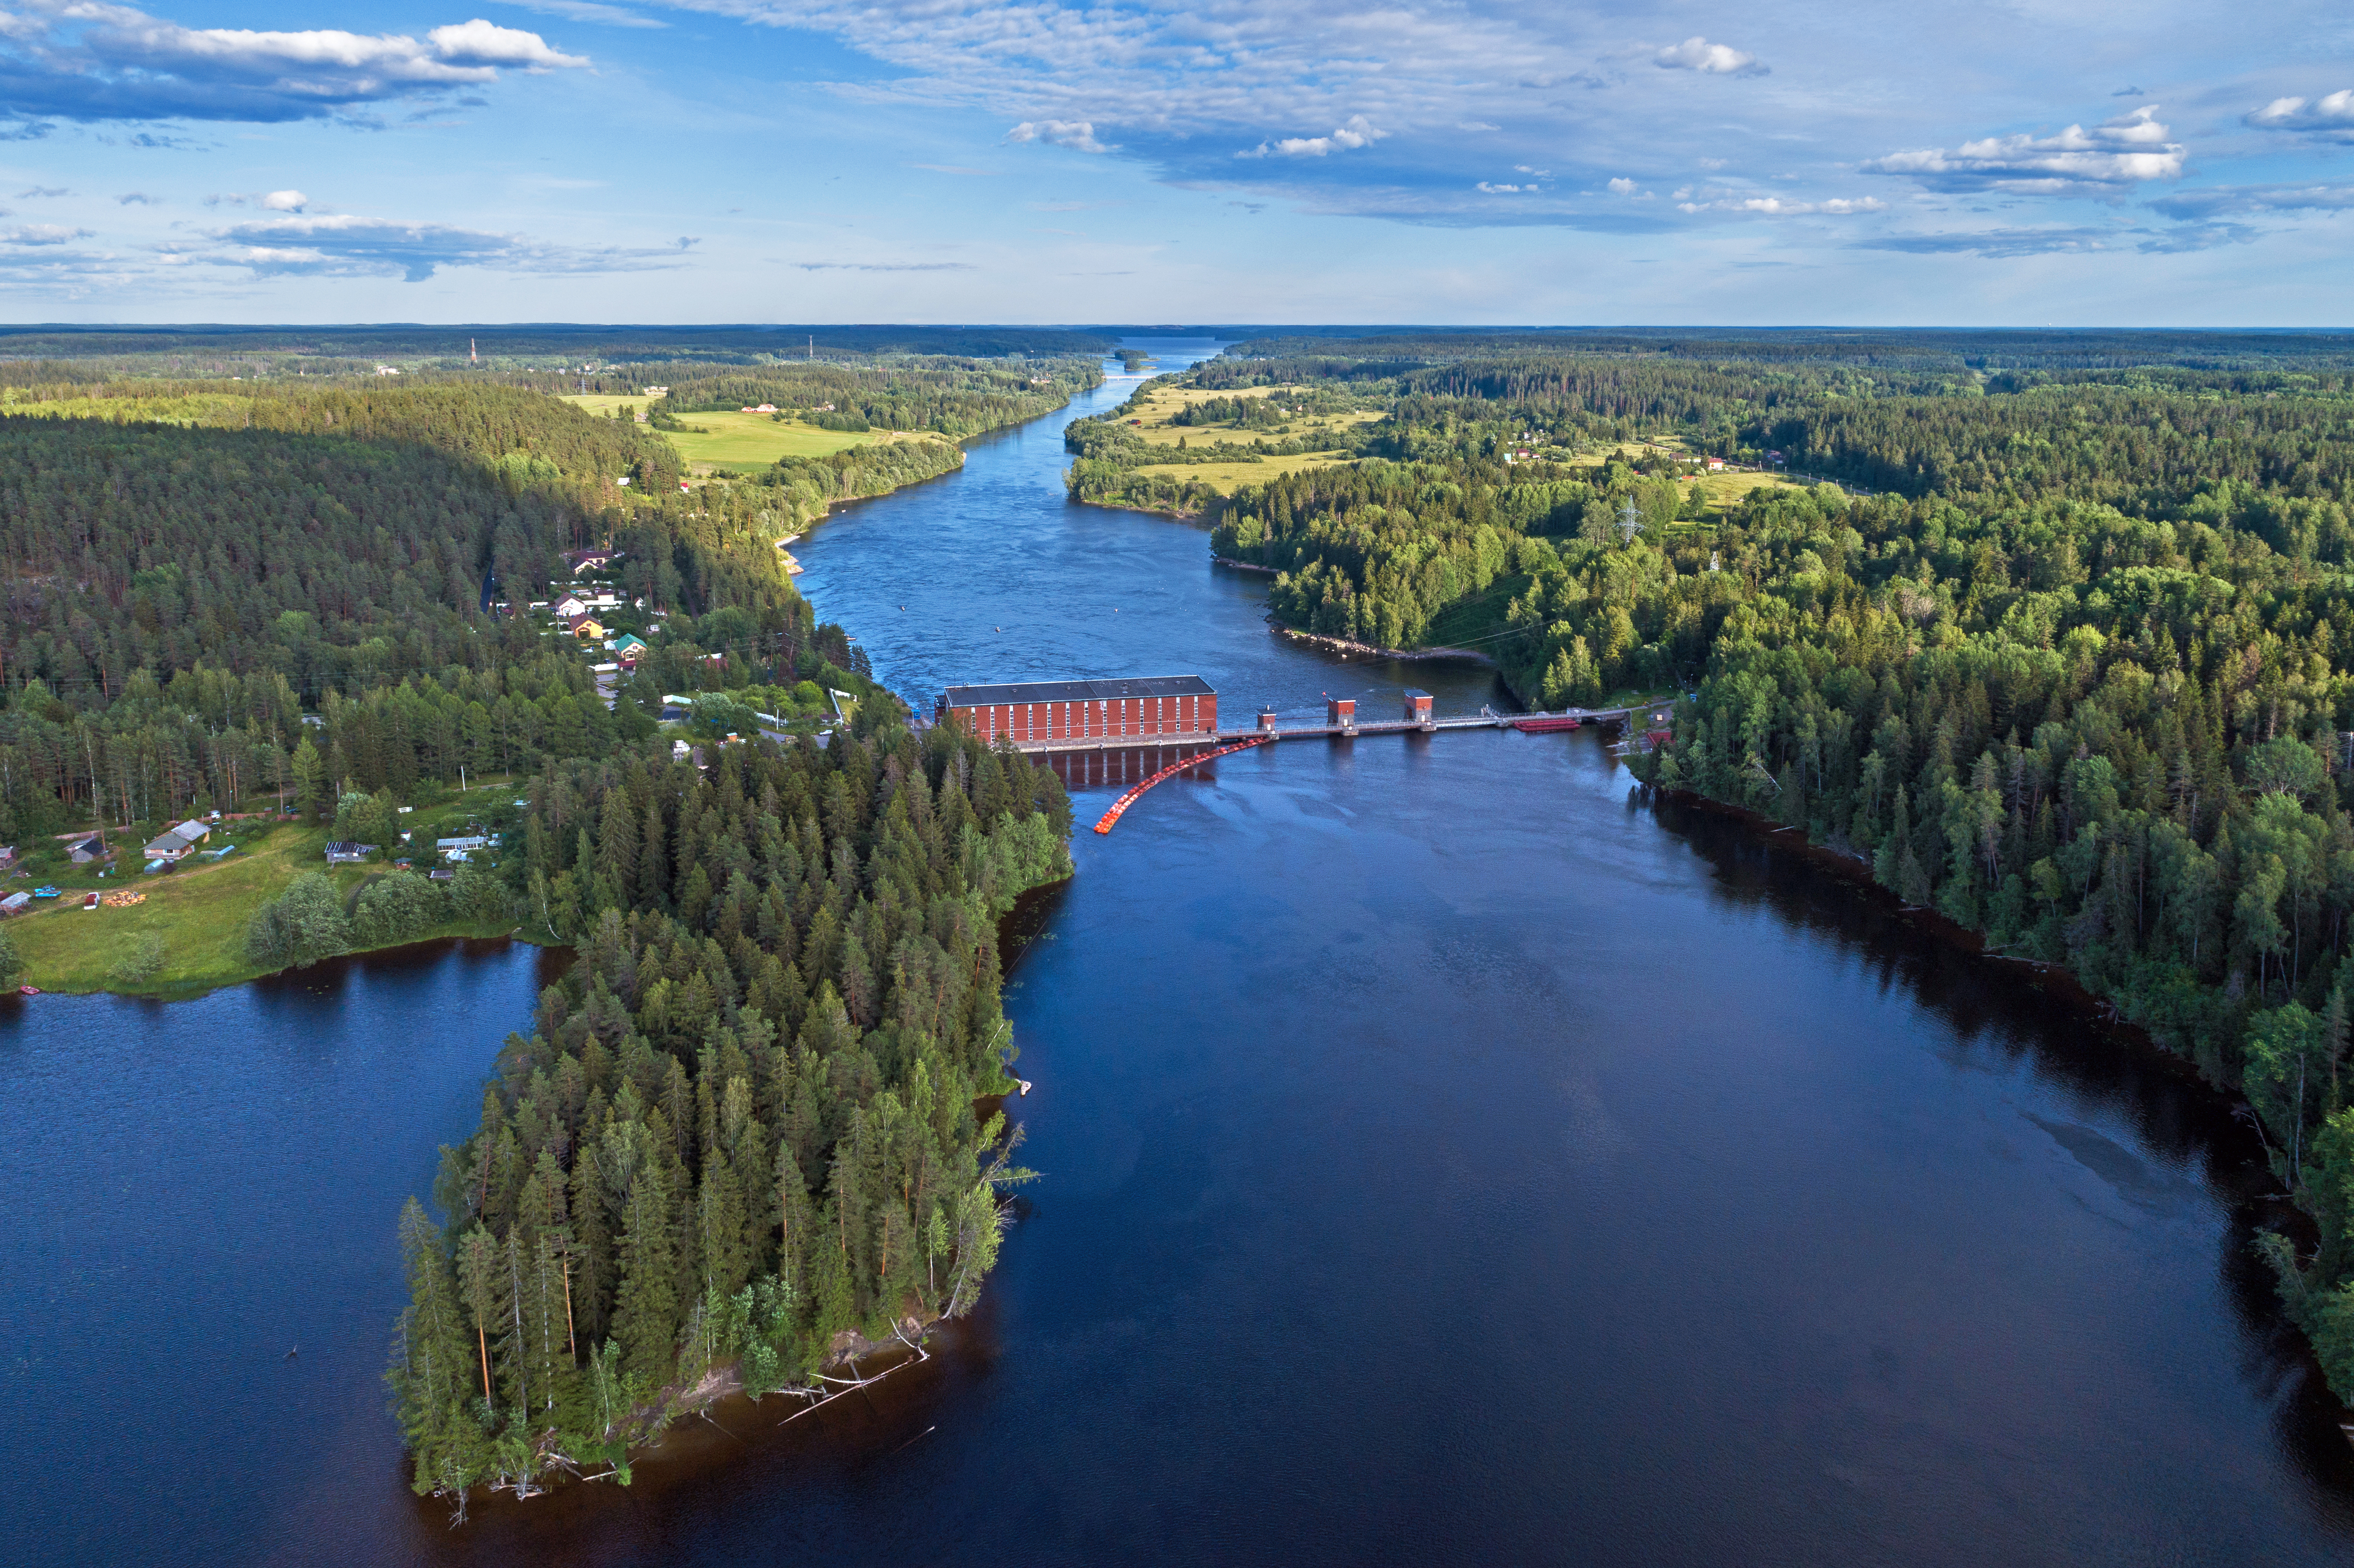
x,y
2117,152
2332,116
1623,186
285,201
1698,54
41,234
1358,133
342,246
1775,207
89,61
1079,135
1501,190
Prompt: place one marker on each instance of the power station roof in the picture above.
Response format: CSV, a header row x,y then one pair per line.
x,y
1012,692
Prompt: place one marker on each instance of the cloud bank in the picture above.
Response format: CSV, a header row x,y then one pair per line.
x,y
2121,151
88,61
342,246
2332,116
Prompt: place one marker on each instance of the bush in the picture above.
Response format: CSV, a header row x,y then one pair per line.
x,y
397,908
11,963
301,926
142,963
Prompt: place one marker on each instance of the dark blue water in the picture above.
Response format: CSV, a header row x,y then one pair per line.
x,y
1446,1161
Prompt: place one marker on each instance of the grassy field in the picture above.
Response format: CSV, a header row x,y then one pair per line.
x,y
1225,478
747,443
1155,405
200,908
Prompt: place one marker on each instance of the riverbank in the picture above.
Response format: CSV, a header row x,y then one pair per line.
x,y
1344,645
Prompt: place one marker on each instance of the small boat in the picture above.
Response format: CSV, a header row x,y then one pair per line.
x,y
45,893
1540,723
90,901
28,991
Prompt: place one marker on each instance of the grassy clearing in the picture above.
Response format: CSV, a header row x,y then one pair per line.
x,y
746,443
1225,478
200,908
1155,406
1726,492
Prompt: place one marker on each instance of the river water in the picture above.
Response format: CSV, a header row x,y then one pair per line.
x,y
1446,1159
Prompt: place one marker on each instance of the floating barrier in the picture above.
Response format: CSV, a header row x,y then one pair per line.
x,y
1125,801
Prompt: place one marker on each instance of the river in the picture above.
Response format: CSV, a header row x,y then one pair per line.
x,y
1447,1160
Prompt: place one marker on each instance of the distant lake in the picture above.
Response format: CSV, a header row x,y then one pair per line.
x,y
1447,1160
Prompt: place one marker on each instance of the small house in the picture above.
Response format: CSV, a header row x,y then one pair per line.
x,y
570,605
87,850
15,902
342,851
584,626
441,875
7,856
1716,465
627,645
174,844
465,842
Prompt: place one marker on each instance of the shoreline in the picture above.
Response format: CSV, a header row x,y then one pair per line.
x,y
193,989
1409,655
2054,978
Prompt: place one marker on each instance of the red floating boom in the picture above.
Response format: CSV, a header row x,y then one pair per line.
x,y
1129,800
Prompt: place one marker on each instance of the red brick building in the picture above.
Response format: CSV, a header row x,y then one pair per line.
x,y
1035,713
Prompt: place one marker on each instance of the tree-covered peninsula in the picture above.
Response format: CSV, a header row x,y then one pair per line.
x,y
2055,635
751,1132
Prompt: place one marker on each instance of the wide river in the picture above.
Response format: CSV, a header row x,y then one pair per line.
x,y
1447,1160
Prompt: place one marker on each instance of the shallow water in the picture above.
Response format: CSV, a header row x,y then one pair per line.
x,y
1445,1160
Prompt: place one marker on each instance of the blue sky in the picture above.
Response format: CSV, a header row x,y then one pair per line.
x,y
1939,161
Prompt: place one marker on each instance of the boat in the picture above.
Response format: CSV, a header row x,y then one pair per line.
x,y
28,991
45,893
90,901
1539,724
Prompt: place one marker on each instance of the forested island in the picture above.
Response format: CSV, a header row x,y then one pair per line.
x,y
2050,633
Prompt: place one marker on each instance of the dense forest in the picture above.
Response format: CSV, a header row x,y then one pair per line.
x,y
756,1119
179,598
753,1128
195,578
2065,660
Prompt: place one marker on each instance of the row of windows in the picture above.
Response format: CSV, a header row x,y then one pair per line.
x,y
1069,721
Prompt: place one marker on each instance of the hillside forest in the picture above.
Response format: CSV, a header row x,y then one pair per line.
x,y
2053,637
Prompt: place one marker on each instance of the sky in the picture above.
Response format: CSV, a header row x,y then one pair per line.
x,y
1936,162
